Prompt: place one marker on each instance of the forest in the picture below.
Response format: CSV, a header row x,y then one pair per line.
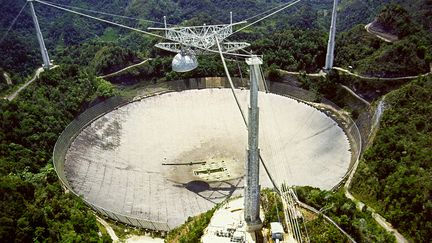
x,y
393,177
358,224
33,206
192,230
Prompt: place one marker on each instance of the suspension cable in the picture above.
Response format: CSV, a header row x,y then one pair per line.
x,y
103,13
268,10
225,53
239,69
243,116
128,27
156,35
99,19
267,16
231,82
13,23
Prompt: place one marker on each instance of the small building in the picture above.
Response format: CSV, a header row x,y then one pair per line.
x,y
277,231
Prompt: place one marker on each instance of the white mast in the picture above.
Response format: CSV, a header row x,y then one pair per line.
x,y
46,60
331,41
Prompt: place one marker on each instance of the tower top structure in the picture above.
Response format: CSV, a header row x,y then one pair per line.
x,y
190,41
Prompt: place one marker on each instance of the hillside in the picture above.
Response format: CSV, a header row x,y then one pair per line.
x,y
394,176
33,205
371,56
63,30
363,11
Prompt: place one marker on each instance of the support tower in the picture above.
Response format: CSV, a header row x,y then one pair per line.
x,y
331,41
252,187
46,60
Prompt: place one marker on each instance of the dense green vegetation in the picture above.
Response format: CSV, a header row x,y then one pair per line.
x,y
192,230
368,55
395,174
294,49
396,166
273,208
353,12
319,230
111,59
32,205
298,44
395,20
19,57
360,225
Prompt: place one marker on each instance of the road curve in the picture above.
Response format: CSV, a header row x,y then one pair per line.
x,y
7,78
15,94
108,228
383,36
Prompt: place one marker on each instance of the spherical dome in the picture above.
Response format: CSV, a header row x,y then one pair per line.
x,y
184,63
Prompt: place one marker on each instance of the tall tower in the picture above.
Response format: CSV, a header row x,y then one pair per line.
x,y
331,41
46,60
252,187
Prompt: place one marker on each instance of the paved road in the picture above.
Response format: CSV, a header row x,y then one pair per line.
x,y
356,95
15,94
124,69
108,228
383,79
383,36
378,218
320,74
7,78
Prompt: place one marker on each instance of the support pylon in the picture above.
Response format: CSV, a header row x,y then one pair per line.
x,y
331,41
252,187
46,60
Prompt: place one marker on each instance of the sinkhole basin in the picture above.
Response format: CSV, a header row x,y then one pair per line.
x,y
167,157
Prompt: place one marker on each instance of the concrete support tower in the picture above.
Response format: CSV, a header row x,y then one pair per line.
x,y
46,60
331,41
252,187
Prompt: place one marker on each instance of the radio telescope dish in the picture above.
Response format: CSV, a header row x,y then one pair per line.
x,y
184,63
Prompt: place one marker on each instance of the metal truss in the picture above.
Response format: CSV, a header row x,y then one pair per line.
x,y
178,48
199,38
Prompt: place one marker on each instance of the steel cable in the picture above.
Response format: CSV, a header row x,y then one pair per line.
x,y
12,24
